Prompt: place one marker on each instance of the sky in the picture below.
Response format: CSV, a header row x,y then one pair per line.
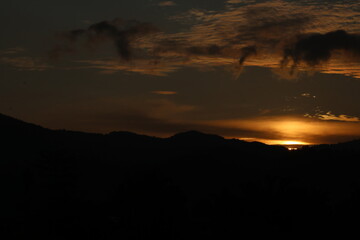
x,y
271,71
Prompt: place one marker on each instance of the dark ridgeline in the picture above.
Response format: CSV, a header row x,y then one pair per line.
x,y
72,185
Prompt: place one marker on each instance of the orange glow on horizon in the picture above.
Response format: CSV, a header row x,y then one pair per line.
x,y
276,142
293,143
283,130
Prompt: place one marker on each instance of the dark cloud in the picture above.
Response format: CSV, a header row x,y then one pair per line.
x,y
246,52
74,34
314,49
273,34
204,50
122,33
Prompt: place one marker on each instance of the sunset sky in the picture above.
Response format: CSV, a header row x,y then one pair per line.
x,y
271,71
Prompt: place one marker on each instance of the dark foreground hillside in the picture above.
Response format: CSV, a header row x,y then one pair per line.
x,y
70,185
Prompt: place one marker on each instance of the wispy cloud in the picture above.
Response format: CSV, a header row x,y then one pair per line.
x,y
280,30
164,92
25,63
332,117
11,51
167,3
108,66
13,57
293,36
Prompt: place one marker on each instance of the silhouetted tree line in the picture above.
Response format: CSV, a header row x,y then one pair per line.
x,y
71,185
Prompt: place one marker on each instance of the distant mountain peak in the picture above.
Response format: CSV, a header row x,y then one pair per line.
x,y
11,124
196,134
123,133
197,138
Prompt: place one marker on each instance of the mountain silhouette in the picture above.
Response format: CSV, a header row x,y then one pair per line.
x,y
13,128
59,184
193,137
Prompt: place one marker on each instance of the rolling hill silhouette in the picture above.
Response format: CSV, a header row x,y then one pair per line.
x,y
59,184
16,129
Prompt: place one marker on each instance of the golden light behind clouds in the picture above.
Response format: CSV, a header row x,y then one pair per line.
x,y
284,129
217,38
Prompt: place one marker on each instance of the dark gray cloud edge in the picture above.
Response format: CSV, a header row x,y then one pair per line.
x,y
314,49
311,49
121,33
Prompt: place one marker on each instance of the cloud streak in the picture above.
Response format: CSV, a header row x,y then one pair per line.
x,y
332,117
301,36
25,63
164,92
167,3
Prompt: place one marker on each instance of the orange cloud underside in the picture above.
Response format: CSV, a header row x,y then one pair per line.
x,y
164,92
217,38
